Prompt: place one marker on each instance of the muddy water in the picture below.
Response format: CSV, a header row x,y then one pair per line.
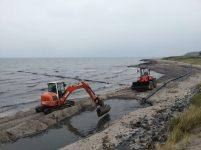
x,y
75,128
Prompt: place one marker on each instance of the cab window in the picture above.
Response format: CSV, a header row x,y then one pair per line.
x,y
61,89
52,88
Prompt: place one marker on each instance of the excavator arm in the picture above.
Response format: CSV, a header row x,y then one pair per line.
x,y
82,85
101,107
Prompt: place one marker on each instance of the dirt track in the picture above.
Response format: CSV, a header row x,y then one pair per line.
x,y
29,123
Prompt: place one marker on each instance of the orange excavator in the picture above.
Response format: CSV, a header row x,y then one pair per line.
x,y
57,95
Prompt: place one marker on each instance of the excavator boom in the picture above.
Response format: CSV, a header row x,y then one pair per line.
x,y
82,85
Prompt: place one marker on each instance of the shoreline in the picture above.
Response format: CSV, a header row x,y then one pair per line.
x,y
143,128
25,124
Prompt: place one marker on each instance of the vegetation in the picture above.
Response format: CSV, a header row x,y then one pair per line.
x,y
181,125
195,60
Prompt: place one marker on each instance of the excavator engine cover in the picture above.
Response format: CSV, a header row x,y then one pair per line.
x,y
103,110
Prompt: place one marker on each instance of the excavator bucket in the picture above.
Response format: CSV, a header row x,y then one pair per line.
x,y
101,110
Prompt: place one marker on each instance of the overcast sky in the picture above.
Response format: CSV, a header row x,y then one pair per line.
x,y
99,28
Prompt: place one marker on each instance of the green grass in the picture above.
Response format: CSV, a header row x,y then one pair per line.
x,y
195,60
196,100
181,125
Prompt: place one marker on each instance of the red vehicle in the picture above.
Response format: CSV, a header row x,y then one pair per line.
x,y
145,81
56,98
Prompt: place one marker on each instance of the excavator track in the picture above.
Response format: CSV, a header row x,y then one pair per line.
x,y
52,109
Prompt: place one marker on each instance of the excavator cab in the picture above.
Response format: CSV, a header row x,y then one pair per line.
x,y
57,87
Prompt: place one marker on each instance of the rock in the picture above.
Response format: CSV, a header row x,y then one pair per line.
x,y
154,129
145,126
135,125
137,140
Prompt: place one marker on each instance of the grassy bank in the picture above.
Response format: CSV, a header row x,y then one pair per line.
x,y
186,59
181,126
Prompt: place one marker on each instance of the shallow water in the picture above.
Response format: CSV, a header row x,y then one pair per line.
x,y
75,128
23,80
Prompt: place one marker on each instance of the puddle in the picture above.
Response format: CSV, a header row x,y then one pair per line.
x,y
75,128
